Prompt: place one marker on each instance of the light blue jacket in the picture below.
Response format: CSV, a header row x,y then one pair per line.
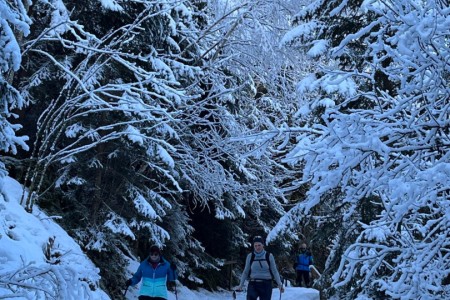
x,y
154,280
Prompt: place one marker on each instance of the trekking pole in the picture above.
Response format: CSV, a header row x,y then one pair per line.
x,y
176,292
234,294
125,293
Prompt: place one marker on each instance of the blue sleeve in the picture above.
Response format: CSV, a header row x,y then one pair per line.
x,y
137,276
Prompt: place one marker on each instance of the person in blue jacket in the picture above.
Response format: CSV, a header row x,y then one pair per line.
x,y
154,271
303,261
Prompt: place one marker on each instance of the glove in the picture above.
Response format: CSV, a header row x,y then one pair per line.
x,y
128,282
171,286
173,266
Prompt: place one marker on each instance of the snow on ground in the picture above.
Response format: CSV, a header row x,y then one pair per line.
x,y
39,260
291,293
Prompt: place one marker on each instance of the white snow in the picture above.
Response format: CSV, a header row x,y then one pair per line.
x,y
298,32
165,156
319,48
36,252
144,207
111,4
134,135
290,293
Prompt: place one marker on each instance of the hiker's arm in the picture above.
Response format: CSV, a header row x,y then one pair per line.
x,y
273,267
137,276
246,271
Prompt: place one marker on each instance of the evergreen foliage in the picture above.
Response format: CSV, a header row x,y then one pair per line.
x,y
130,126
14,24
382,90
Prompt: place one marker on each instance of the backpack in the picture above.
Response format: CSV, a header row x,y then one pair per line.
x,y
252,259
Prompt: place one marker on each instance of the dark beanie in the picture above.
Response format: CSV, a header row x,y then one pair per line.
x,y
154,249
258,239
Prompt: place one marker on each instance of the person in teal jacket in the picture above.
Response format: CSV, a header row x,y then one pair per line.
x,y
303,261
154,271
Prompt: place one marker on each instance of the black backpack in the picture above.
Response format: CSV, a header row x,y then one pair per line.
x,y
252,259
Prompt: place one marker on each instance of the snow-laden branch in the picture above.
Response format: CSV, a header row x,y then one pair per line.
x,y
49,281
384,135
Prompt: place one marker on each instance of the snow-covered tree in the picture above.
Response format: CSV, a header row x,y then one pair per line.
x,y
258,77
253,79
380,146
135,111
14,24
111,88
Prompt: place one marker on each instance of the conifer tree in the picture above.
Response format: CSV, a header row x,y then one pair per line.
x,y
14,24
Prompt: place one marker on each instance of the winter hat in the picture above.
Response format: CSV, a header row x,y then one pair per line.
x,y
258,239
155,249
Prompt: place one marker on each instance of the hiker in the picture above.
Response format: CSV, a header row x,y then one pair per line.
x,y
302,266
261,269
154,271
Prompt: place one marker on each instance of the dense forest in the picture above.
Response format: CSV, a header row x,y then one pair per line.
x,y
195,125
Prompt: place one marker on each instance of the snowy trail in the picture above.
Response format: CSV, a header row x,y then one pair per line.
x,y
291,293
